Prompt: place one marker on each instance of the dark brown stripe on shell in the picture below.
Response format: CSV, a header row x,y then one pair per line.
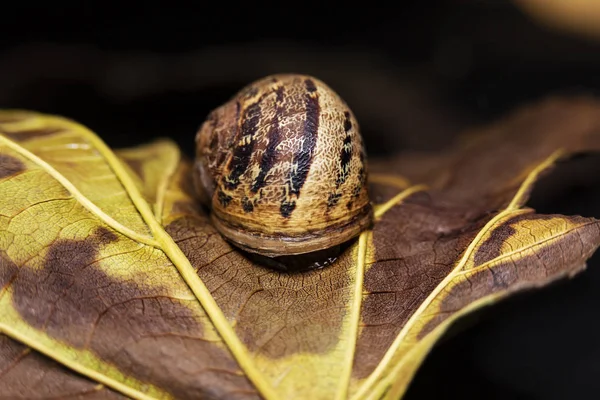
x,y
287,207
242,153
345,158
224,199
247,205
274,138
302,160
232,138
310,85
333,199
347,121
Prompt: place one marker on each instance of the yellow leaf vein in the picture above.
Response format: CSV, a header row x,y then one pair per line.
x,y
84,201
183,265
375,379
355,307
522,249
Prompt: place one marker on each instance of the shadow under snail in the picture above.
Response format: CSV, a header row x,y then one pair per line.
x,y
283,169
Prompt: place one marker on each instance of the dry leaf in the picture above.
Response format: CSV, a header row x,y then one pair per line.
x,y
115,283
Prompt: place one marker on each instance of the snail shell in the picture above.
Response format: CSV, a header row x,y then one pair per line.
x,y
282,166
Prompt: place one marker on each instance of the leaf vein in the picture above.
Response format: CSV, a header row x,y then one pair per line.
x,y
84,201
512,208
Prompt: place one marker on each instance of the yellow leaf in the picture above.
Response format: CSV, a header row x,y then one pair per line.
x,y
89,251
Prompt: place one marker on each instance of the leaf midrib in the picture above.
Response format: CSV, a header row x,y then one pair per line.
x,y
356,305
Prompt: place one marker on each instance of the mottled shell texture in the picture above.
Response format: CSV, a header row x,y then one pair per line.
x,y
282,165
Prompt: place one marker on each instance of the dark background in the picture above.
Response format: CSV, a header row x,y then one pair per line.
x,y
415,77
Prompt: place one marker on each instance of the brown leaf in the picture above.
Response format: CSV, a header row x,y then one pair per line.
x,y
105,292
25,374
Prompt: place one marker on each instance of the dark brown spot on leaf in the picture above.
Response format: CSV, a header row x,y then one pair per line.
x,y
492,247
527,271
140,329
10,166
8,270
105,235
21,136
137,166
7,118
21,366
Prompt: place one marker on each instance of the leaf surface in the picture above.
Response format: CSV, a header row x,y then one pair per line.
x,y
115,281
82,286
26,374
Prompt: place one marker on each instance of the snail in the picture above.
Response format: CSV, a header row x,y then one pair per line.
x,y
282,167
